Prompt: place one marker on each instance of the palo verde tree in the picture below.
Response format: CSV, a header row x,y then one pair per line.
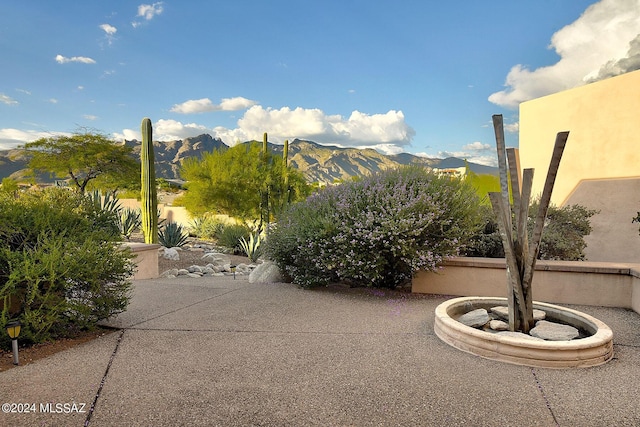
x,y
83,158
234,182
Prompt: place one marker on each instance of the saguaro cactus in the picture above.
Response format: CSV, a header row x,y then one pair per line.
x,y
264,199
149,200
285,172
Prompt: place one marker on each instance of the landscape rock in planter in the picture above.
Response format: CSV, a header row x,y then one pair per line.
x,y
503,313
554,331
498,325
475,318
519,335
267,272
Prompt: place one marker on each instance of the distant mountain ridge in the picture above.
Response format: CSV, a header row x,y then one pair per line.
x,y
318,163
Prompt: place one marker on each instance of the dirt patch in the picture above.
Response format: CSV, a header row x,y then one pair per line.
x,y
29,355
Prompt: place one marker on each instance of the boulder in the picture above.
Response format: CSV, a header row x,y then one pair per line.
x,y
171,253
475,318
267,272
551,331
216,258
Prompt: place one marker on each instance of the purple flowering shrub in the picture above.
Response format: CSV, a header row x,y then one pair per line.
x,y
377,232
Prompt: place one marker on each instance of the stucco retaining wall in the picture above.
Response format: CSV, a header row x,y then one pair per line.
x,y
565,282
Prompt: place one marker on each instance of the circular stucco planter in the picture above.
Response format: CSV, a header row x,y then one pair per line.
x,y
595,349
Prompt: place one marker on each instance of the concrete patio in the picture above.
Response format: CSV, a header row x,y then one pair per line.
x,y
224,352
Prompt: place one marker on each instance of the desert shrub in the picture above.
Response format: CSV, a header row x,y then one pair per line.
x,y
375,232
562,236
205,227
172,235
61,266
229,236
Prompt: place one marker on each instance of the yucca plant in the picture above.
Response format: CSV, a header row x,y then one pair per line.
x,y
252,248
172,235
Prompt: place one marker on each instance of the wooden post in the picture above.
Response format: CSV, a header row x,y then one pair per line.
x,y
520,253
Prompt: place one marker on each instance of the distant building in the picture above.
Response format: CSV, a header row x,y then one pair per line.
x,y
600,167
454,172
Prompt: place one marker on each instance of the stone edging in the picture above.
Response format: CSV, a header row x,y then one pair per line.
x,y
591,351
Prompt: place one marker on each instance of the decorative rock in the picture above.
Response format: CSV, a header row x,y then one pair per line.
x,y
503,313
475,318
539,315
194,275
267,272
216,258
171,253
182,272
195,269
498,325
170,273
554,331
519,335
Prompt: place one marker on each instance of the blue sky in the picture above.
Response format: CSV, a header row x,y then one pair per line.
x,y
404,75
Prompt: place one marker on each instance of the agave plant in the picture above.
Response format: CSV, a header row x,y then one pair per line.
x,y
252,248
108,203
172,235
128,221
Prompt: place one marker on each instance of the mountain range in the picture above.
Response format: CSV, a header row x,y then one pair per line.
x,y
318,163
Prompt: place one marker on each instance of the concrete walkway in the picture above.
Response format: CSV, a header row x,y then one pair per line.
x,y
224,352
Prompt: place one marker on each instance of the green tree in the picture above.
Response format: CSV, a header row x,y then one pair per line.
x,y
483,183
234,182
84,158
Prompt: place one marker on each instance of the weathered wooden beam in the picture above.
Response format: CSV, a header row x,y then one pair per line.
x,y
513,160
498,129
514,288
545,200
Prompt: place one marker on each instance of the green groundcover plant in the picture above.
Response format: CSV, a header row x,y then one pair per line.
x,y
378,231
61,265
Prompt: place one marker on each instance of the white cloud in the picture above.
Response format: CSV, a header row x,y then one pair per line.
x,y
166,130
512,127
109,29
128,134
483,157
11,138
82,59
90,117
26,92
52,100
5,99
203,105
387,133
476,146
601,43
148,12
359,129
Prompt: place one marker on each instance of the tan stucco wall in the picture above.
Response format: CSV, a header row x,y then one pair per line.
x,y
604,141
562,282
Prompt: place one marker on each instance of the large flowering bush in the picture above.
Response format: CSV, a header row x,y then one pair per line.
x,y
378,231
